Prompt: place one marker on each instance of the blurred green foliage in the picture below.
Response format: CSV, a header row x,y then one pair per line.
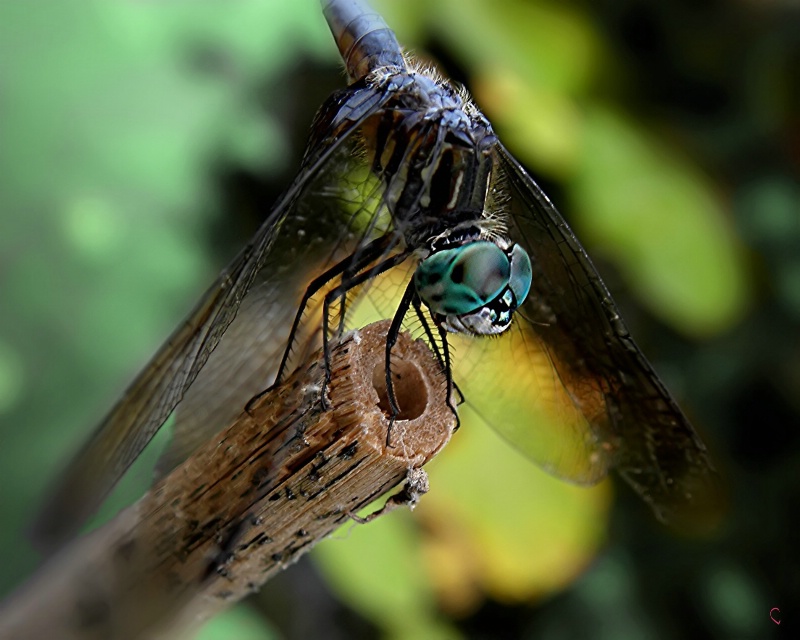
x,y
110,127
661,129
241,623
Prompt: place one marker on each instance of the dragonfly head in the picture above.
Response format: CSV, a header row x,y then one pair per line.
x,y
476,287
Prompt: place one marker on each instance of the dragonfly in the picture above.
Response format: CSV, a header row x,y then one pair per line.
x,y
407,206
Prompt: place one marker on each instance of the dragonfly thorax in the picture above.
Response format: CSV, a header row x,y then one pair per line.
x,y
432,150
475,287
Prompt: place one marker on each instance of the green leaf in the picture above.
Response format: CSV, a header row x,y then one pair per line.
x,y
240,623
378,570
548,45
496,524
660,220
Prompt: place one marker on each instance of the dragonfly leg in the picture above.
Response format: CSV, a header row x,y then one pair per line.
x,y
443,356
428,333
448,372
353,263
391,339
341,290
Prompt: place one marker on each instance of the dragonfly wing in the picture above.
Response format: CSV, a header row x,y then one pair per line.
x,y
313,225
331,218
142,409
244,363
511,382
633,422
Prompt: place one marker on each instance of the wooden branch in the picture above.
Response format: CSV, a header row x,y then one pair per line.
x,y
249,503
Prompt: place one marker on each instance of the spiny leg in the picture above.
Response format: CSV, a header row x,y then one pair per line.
x,y
341,290
371,228
443,357
427,329
448,372
369,253
391,339
417,304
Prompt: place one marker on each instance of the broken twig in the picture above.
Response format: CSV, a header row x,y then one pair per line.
x,y
250,502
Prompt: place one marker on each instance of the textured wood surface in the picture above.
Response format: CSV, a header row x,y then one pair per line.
x,y
249,503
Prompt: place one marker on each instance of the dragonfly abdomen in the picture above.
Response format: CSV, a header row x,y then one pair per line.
x,y
365,41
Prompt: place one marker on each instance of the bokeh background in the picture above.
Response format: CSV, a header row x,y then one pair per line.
x,y
142,142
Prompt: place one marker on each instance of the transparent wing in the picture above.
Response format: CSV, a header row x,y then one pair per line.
x,y
512,382
567,385
239,328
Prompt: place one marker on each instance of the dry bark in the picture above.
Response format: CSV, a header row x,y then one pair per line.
x,y
279,479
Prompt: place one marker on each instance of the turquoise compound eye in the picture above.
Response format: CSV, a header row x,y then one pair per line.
x,y
521,274
460,280
463,279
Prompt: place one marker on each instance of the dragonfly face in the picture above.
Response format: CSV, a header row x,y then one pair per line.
x,y
474,288
407,206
